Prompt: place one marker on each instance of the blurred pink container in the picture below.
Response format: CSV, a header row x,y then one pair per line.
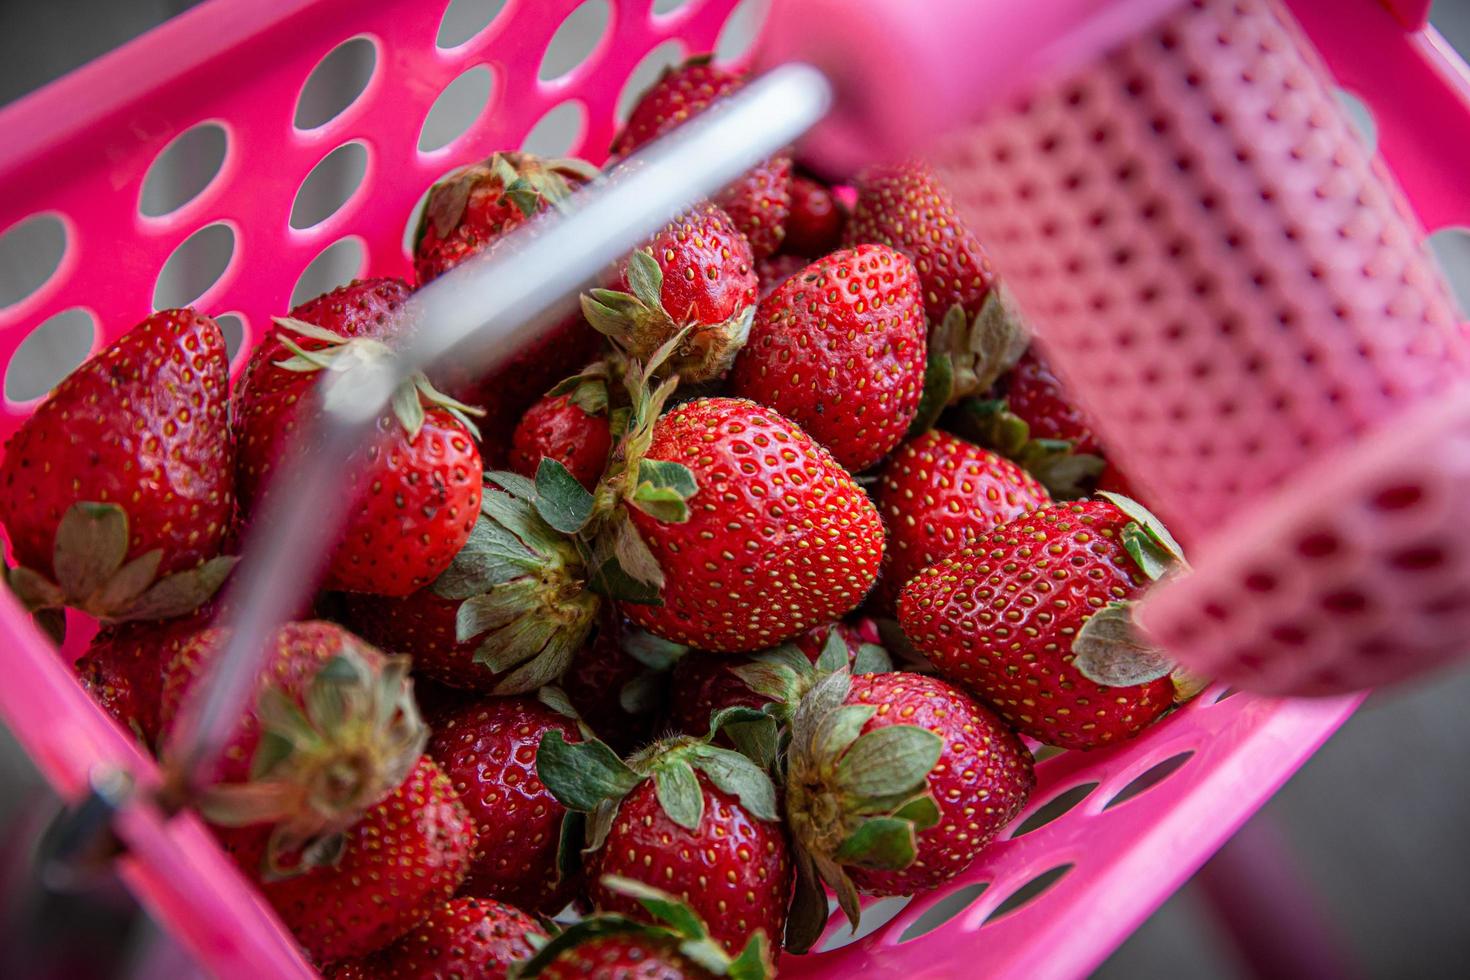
x,y
79,151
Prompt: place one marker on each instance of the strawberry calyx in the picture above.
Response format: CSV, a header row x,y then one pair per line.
x,y
967,355
525,180
675,925
640,323
325,760
94,575
785,675
340,354
1110,649
989,422
852,800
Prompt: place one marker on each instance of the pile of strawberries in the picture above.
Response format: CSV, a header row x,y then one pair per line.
x,y
613,630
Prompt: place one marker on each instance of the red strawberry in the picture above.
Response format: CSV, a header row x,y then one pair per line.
x,y
760,201
464,937
119,489
778,538
123,668
774,270
1036,396
975,324
684,815
817,219
839,349
416,496
363,308
421,625
703,684
938,494
696,274
1036,614
675,945
621,697
895,784
470,210
488,751
560,428
323,794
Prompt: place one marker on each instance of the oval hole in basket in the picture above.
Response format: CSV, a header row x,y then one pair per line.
x,y
1054,808
336,82
1029,891
739,31
876,915
671,52
184,170
943,910
337,265
329,185
1451,248
1150,778
194,267
1358,113
575,40
662,8
57,346
558,132
466,18
232,325
455,110
30,253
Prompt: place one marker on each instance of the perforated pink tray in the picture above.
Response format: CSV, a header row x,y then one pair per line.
x,y
80,151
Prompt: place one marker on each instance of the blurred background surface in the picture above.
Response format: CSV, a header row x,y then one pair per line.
x,y
1368,842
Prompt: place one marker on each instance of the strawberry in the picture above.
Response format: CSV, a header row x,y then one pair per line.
x,y
697,276
778,537
572,432
618,683
668,941
684,815
895,783
817,219
123,668
774,270
703,684
977,332
488,751
119,488
938,494
463,937
415,496
759,202
322,793
422,626
839,349
1036,396
470,210
1035,620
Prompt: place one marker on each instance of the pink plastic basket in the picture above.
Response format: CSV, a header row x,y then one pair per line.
x,y
1143,816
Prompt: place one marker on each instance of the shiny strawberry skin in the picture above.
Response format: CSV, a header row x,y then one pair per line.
x,y
905,207
363,308
143,424
625,957
1036,396
817,219
938,494
401,861
734,871
759,202
488,752
839,348
982,779
999,619
703,684
557,428
421,624
464,937
709,275
780,537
